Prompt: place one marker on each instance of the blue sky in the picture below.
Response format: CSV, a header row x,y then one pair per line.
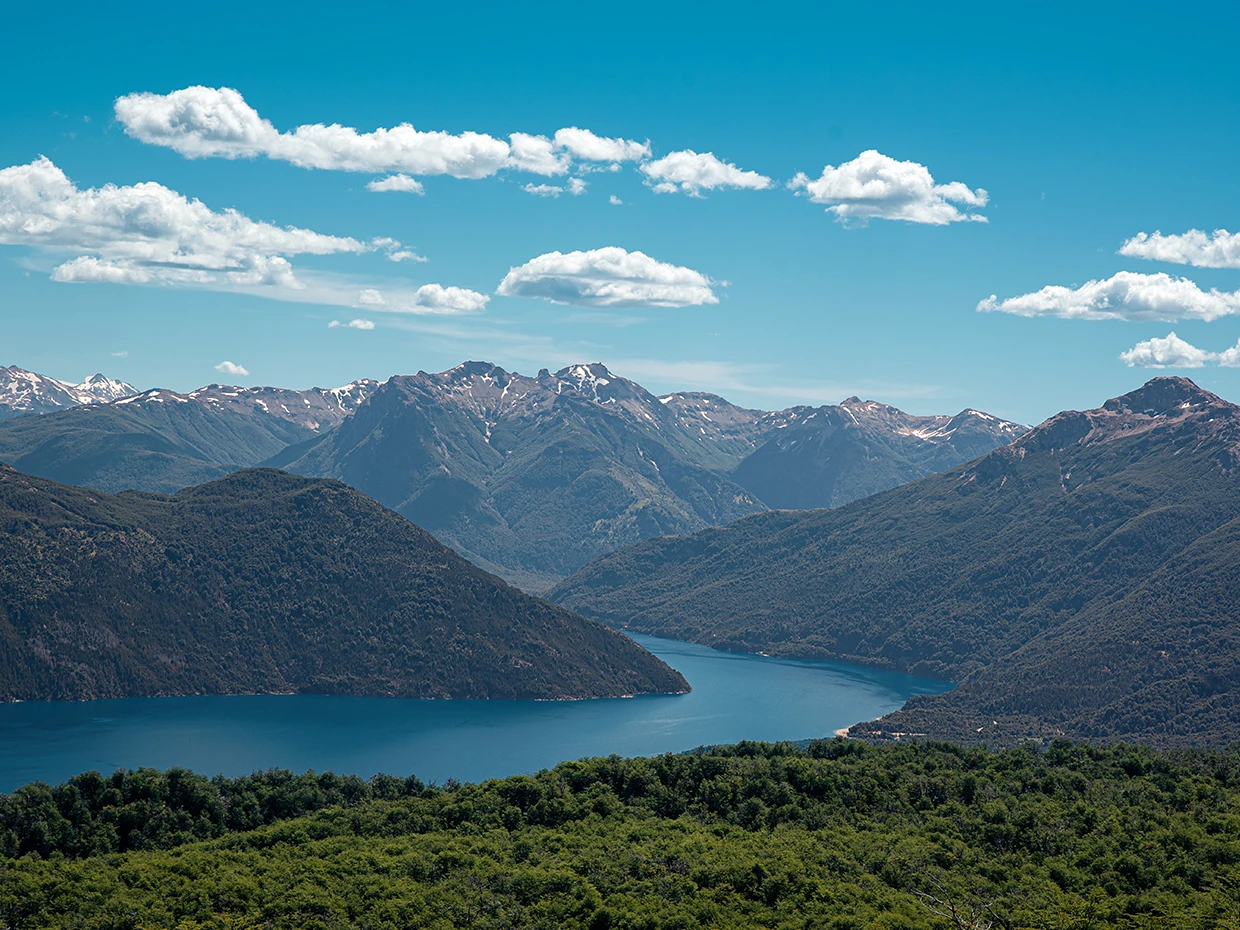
x,y
1085,127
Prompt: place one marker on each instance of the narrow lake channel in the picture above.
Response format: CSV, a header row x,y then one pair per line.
x,y
734,697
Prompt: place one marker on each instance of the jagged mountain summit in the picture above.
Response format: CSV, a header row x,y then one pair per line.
x,y
807,457
25,393
1079,581
163,441
533,476
269,582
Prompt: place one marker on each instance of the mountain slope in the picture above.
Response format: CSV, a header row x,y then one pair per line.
x,y
23,393
533,477
537,475
265,581
1058,544
163,441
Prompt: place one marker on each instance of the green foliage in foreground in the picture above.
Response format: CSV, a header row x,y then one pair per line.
x,y
839,835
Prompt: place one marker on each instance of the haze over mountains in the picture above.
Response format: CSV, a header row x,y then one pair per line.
x,y
270,582
1080,581
529,477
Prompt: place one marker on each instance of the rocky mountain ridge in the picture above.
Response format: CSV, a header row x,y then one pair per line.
x,y
24,393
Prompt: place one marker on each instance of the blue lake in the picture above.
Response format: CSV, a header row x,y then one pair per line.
x,y
734,697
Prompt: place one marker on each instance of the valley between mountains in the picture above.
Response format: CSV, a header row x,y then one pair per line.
x,y
1075,580
529,477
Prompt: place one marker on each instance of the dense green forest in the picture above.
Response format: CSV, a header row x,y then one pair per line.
x,y
837,835
1079,582
269,582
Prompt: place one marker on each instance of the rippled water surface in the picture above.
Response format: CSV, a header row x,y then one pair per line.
x,y
734,697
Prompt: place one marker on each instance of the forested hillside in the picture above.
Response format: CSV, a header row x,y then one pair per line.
x,y
838,835
1075,582
269,582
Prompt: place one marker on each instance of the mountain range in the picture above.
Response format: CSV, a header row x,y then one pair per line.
x,y
24,392
1079,581
269,582
163,441
529,477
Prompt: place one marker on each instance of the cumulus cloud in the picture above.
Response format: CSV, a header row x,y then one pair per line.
x,y
1219,249
577,187
875,186
583,144
607,277
1126,295
216,122
1170,352
396,182
1230,358
232,369
147,233
691,173
427,299
352,324
615,201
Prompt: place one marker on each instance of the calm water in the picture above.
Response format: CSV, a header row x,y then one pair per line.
x,y
734,697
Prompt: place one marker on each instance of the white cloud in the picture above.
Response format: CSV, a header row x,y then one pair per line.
x,y
583,144
203,122
123,353
396,182
1123,296
542,190
537,155
615,201
875,186
607,277
1220,249
216,122
406,255
352,324
147,234
1230,358
427,299
232,369
692,173
575,186
1171,352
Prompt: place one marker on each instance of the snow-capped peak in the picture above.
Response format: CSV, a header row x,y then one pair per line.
x,y
105,389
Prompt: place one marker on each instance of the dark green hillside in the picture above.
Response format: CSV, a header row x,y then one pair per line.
x,y
160,446
1070,579
839,836
267,582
